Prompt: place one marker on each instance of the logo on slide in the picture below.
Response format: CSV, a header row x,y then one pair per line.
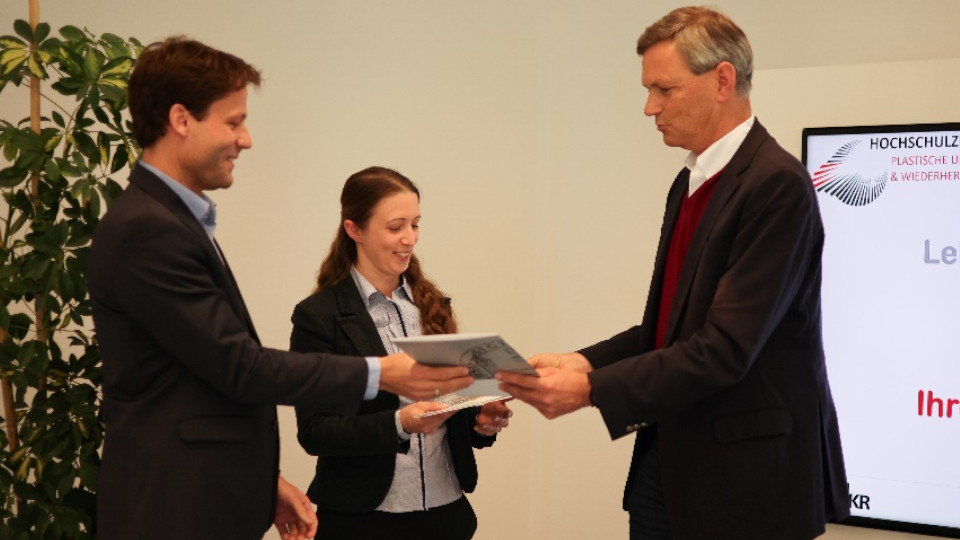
x,y
840,178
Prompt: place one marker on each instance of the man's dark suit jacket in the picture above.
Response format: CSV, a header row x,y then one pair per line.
x,y
189,394
739,396
356,444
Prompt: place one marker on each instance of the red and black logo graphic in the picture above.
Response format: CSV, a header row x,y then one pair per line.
x,y
838,178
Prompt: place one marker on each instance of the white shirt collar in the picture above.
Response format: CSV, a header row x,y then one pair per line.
x,y
370,293
716,156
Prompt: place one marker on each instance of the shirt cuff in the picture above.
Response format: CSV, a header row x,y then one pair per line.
x,y
403,435
373,378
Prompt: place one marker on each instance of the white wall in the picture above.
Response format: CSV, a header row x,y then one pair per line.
x,y
543,183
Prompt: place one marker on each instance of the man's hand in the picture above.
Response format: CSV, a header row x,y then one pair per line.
x,y
554,393
574,361
401,375
412,422
295,518
493,417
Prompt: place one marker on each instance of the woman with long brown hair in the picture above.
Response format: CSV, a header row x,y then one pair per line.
x,y
383,471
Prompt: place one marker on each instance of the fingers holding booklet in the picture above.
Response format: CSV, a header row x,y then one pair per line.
x,y
401,375
483,354
423,417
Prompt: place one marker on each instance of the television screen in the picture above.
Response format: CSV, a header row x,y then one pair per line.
x,y
890,200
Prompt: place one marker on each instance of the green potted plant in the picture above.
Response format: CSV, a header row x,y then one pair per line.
x,y
56,177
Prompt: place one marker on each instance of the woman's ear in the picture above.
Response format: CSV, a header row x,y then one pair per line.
x,y
353,231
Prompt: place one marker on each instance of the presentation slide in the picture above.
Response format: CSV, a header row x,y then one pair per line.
x,y
890,200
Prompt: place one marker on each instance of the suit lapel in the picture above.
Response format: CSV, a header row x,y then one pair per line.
x,y
728,184
234,290
355,321
216,263
675,198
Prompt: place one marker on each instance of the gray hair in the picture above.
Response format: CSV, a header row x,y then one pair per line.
x,y
704,38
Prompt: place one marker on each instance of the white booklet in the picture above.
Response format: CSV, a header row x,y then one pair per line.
x,y
484,354
455,402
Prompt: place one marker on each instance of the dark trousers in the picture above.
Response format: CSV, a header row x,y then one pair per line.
x,y
454,521
645,504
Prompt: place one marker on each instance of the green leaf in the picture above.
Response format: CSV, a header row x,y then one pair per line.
x,y
72,33
117,66
52,170
93,207
18,455
19,325
58,119
101,115
84,123
45,57
12,42
12,177
113,90
92,100
35,67
111,190
52,47
67,289
69,86
29,161
86,145
92,65
103,141
35,266
68,169
23,29
28,352
42,31
119,159
11,59
16,226
52,139
89,474
59,447
114,44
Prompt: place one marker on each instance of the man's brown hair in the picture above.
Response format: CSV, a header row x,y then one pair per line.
x,y
184,71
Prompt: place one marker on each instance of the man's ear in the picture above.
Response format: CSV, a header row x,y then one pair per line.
x,y
179,118
352,230
726,81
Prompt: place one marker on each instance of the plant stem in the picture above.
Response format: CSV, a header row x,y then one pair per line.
x,y
9,413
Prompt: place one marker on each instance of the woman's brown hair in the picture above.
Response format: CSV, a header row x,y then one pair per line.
x,y
361,194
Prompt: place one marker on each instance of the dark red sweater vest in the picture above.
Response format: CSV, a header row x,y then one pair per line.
x,y
691,210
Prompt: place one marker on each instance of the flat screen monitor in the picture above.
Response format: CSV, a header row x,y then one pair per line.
x,y
890,200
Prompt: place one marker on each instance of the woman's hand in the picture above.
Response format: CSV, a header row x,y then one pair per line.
x,y
493,417
413,422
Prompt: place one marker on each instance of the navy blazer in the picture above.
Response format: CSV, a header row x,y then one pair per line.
x,y
189,394
356,444
746,425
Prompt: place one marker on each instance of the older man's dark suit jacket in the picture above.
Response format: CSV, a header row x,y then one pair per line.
x,y
189,394
357,445
746,426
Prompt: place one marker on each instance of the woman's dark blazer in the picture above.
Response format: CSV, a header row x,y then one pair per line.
x,y
356,447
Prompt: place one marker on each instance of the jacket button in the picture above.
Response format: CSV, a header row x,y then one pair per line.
x,y
633,427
